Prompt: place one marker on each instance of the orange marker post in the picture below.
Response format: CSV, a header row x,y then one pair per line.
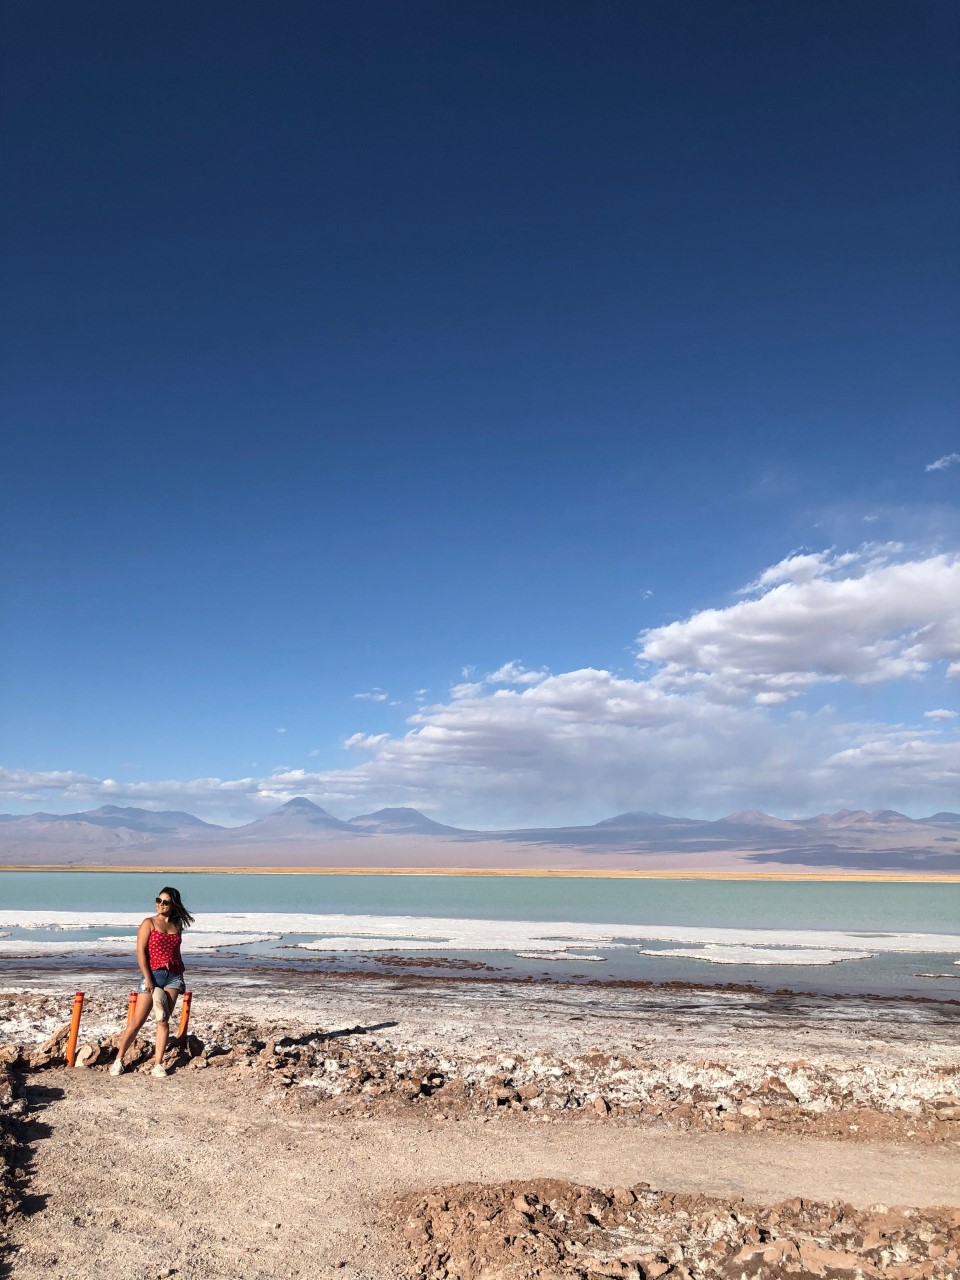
x,y
74,1028
131,1007
184,1017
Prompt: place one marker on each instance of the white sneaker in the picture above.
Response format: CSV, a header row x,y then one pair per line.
x,y
116,1067
159,1070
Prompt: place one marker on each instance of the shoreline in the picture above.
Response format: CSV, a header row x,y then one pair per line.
x,y
858,877
397,971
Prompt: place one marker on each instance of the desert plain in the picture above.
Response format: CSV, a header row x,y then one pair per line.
x,y
454,1128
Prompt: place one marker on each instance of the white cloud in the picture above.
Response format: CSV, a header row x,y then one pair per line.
x,y
467,690
723,715
516,673
32,782
372,695
903,766
941,464
281,731
864,617
365,741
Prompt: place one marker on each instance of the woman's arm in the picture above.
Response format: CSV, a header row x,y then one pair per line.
x,y
143,960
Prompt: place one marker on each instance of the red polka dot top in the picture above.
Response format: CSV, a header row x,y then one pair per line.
x,y
163,951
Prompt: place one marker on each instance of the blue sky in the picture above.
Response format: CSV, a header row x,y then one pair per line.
x,y
411,404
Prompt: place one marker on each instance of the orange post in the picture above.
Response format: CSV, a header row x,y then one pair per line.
x,y
131,1007
74,1028
184,1016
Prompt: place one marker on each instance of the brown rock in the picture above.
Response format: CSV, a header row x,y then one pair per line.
x,y
773,1252
455,1090
601,1106
228,1059
773,1084
87,1056
603,1267
826,1262
57,1041
12,1055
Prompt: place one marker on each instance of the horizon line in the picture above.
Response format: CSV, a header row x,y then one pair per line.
x,y
863,877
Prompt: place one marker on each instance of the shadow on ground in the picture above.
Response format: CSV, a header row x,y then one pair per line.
x,y
19,1136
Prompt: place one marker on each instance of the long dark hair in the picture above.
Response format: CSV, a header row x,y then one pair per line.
x,y
179,915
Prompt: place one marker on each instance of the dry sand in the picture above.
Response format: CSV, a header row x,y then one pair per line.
x,y
285,1156
614,867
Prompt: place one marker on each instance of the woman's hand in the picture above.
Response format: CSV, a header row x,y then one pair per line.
x,y
148,986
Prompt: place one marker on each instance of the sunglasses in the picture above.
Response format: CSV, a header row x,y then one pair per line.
x,y
163,902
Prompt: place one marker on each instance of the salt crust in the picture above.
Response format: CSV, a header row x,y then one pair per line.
x,y
542,939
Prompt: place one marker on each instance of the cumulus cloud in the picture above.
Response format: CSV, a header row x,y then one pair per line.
x,y
34,782
580,746
516,673
903,765
723,715
818,617
941,464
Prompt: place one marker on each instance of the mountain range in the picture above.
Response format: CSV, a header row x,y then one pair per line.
x,y
301,833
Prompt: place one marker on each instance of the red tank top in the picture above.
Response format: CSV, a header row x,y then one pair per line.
x,y
163,951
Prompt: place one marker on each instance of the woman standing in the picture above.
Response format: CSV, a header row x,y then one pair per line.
x,y
158,954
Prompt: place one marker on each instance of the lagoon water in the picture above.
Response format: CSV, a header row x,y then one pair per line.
x,y
839,937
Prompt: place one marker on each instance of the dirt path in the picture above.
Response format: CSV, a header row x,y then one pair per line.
x,y
136,1178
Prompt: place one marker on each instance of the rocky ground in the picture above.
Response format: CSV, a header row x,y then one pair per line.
x,y
550,1228
471,1125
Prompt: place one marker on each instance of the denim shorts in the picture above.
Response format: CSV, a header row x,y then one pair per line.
x,y
170,981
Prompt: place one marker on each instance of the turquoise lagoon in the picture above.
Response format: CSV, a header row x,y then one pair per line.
x,y
848,937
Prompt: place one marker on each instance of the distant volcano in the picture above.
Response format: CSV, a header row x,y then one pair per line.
x,y
402,822
298,817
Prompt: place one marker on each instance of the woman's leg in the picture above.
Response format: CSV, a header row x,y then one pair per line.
x,y
140,1013
163,1028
